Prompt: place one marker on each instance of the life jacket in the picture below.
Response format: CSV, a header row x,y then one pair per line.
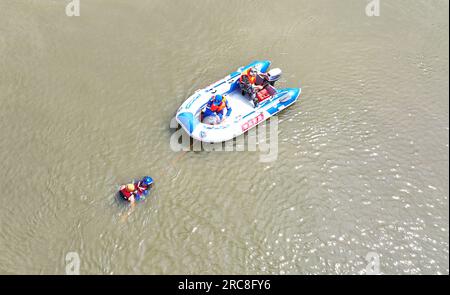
x,y
218,108
125,193
251,79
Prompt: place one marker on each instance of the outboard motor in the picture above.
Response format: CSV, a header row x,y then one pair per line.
x,y
274,75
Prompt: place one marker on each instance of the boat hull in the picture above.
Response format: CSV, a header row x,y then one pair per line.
x,y
244,115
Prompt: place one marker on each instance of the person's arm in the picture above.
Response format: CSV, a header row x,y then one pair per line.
x,y
206,108
132,201
260,86
145,191
264,75
220,115
227,105
124,217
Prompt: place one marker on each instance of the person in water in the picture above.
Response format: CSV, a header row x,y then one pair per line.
x,y
129,192
216,107
133,192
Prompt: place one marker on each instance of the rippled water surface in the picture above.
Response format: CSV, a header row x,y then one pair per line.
x,y
362,161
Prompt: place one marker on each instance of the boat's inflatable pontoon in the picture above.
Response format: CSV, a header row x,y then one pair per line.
x,y
244,115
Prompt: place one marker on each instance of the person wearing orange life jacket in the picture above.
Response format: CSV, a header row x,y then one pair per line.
x,y
247,81
249,76
216,106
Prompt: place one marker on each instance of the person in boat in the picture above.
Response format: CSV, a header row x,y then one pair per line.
x,y
248,84
216,108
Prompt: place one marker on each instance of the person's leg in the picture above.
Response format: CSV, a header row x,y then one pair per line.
x,y
209,117
220,114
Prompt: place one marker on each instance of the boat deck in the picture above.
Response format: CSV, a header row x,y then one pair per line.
x,y
240,105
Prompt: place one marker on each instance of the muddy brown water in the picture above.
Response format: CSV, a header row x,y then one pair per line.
x,y
362,163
